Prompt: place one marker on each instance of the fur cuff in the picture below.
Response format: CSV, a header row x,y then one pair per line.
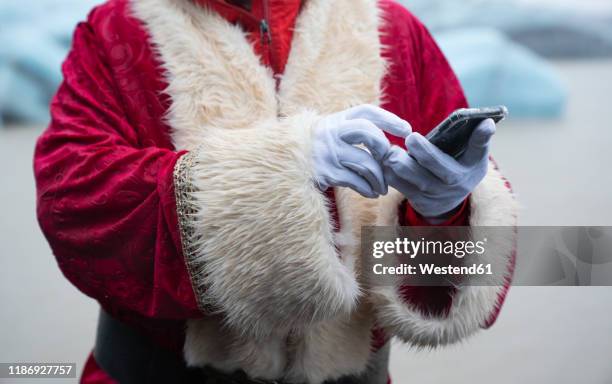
x,y
257,234
492,204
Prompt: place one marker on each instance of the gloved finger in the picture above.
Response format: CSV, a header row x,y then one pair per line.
x,y
478,146
348,178
362,163
409,170
361,131
445,167
383,119
393,180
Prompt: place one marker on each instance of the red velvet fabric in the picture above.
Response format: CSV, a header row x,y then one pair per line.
x,y
280,15
103,167
93,374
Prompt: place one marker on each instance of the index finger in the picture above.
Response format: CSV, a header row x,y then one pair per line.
x,y
383,119
361,131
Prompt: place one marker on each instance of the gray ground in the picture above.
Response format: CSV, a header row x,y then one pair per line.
x,y
559,170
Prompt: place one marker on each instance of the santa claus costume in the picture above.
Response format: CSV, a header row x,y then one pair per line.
x,y
175,188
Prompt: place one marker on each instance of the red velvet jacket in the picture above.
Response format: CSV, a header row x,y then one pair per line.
x,y
104,166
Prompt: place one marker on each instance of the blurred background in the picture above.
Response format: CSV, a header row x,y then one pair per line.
x,y
549,61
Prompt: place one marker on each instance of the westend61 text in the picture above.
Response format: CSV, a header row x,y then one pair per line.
x,y
433,270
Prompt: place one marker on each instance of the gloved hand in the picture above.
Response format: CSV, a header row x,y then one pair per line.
x,y
433,182
339,163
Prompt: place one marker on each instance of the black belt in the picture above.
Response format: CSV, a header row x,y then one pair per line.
x,y
131,358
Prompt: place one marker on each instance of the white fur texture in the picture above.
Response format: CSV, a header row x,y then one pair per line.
x,y
214,78
265,243
492,205
331,349
210,343
335,61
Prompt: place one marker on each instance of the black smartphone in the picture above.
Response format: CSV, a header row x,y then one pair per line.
x,y
452,135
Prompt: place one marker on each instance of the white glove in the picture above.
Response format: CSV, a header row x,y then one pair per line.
x,y
337,160
434,182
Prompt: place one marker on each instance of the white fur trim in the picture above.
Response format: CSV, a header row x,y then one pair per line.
x,y
208,342
492,204
264,234
214,78
335,60
332,349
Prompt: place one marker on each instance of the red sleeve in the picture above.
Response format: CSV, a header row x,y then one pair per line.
x,y
438,91
423,89
105,201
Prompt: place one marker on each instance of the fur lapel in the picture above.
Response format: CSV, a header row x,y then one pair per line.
x,y
335,60
214,78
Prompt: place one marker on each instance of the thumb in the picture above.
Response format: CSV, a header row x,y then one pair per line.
x,y
478,146
482,134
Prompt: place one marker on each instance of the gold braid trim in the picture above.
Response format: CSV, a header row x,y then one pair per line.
x,y
186,210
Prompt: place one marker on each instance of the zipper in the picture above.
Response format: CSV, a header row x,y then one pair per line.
x,y
266,33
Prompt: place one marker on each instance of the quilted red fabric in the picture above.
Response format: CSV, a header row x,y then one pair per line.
x,y
103,167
